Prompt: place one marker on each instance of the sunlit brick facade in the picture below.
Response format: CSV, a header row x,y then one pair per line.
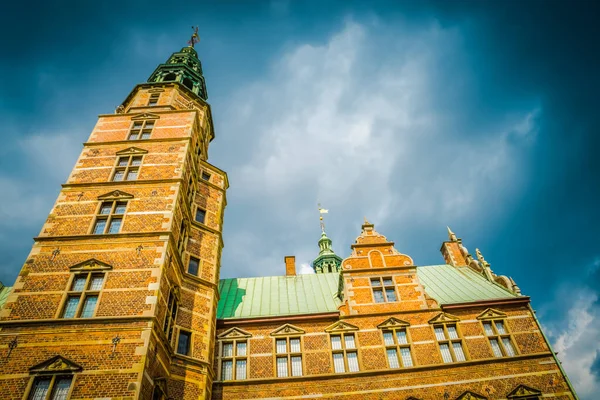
x,y
120,296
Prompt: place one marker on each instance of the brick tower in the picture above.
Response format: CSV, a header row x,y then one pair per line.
x,y
118,296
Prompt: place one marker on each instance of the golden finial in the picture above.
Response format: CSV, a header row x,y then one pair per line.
x,y
451,235
480,258
195,37
321,212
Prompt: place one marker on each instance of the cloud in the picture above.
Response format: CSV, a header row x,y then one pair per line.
x,y
364,131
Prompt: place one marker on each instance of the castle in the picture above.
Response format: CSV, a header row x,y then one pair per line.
x,y
120,296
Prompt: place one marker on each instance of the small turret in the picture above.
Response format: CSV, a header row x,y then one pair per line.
x,y
327,260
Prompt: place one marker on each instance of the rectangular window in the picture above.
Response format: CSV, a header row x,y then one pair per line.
x,y
500,338
183,238
171,314
345,357
82,298
127,168
140,130
50,388
153,100
383,289
109,217
450,343
193,266
397,348
234,353
205,176
289,357
200,215
184,342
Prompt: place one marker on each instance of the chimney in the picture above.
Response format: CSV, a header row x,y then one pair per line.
x,y
290,265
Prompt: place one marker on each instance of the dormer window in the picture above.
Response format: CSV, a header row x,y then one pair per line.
x,y
384,289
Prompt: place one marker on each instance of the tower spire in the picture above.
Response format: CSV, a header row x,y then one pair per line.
x,y
327,260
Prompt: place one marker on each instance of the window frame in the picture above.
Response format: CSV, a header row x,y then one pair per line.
x,y
205,175
383,288
110,217
183,238
83,294
204,215
234,358
126,169
189,344
137,132
288,354
153,99
398,346
52,385
199,262
171,315
496,335
449,341
344,351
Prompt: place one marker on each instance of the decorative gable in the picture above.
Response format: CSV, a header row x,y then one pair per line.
x,y
131,151
145,116
521,391
490,313
115,195
470,396
286,330
56,364
341,326
90,265
442,318
234,333
393,323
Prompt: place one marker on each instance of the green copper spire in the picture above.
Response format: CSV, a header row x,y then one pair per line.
x,y
183,67
327,261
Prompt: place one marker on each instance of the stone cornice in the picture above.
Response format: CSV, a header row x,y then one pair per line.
x,y
75,321
221,323
521,301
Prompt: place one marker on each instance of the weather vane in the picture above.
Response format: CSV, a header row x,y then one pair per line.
x,y
195,37
321,212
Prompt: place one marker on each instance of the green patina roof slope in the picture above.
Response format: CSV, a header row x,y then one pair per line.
x,y
4,291
316,293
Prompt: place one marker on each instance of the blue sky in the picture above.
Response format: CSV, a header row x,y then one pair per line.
x,y
478,115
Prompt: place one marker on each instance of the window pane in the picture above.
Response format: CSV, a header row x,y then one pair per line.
x,y
105,208
388,338
281,346
352,361
452,331
388,282
145,135
282,367
375,282
133,136
445,350
487,327
240,369
200,215
227,370
496,347
183,345
227,350
120,207
295,345
510,350
349,341
89,305
71,307
149,124
458,351
115,225
118,176
401,337
132,174
500,327
338,362
241,349
296,366
99,227
96,282
205,176
193,266
79,284
439,333
136,161
61,388
39,389
137,124
392,357
336,343
406,358
123,161
391,294
378,295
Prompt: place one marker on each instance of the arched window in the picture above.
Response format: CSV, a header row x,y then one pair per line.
x,y
170,77
187,82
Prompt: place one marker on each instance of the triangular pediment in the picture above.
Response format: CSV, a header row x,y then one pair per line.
x,y
393,323
234,333
522,390
442,318
56,364
131,150
145,116
341,326
470,396
115,195
287,330
490,313
90,265
156,90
